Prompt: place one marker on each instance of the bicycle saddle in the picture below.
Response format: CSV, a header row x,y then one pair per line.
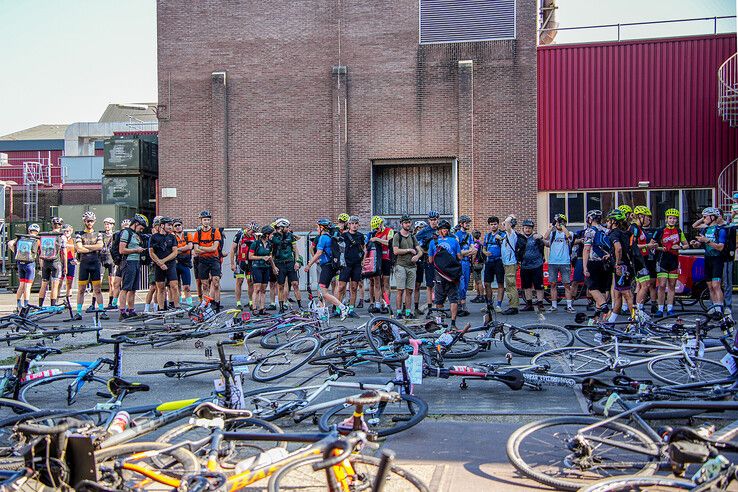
x,y
38,350
116,385
211,411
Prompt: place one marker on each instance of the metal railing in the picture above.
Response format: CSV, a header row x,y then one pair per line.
x,y
728,90
53,174
727,184
621,25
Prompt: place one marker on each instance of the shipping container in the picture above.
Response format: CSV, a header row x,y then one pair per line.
x,y
132,191
129,155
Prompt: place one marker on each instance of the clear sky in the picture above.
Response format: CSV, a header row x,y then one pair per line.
x,y
66,60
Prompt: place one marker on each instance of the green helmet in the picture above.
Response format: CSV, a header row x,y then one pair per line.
x,y
616,214
672,212
642,210
625,209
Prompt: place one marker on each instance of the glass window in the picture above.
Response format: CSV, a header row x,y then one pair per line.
x,y
601,201
576,207
632,198
661,201
693,202
556,204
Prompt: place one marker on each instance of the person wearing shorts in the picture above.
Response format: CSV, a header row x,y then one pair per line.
x,y
713,238
207,241
350,275
53,261
419,268
445,286
262,264
88,244
494,270
285,258
183,262
26,249
240,264
558,239
381,235
324,256
424,237
130,249
163,252
407,253
596,261
529,249
668,240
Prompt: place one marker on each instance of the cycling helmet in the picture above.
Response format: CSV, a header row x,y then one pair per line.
x,y
205,214
735,195
560,217
267,229
282,222
616,214
177,221
419,223
376,222
89,215
528,223
625,209
57,220
325,223
353,219
254,226
125,223
34,227
405,218
344,217
492,219
711,211
166,220
464,219
140,219
594,215
157,220
432,214
444,224
109,220
642,210
672,212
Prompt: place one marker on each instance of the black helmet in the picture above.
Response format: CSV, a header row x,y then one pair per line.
x,y
528,223
325,223
57,220
140,219
464,219
444,224
267,229
432,214
205,214
405,218
166,220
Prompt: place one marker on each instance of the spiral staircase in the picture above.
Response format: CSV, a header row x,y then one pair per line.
x,y
728,111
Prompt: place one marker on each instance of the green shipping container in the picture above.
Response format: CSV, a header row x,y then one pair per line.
x,y
131,191
72,214
129,155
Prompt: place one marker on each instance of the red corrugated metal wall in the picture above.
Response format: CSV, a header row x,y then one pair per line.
x,y
613,114
16,158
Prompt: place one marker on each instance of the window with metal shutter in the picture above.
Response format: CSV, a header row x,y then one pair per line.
x,y
413,189
456,21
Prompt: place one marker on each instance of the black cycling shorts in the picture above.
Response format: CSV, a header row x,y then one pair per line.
x,y
600,276
326,275
531,278
168,275
494,270
261,275
419,272
714,268
51,270
386,268
351,272
286,271
89,272
668,263
208,267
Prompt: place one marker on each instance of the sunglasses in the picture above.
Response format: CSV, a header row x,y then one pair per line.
x,y
177,225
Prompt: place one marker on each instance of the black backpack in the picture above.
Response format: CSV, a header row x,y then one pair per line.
x,y
338,250
115,248
145,258
220,243
728,252
446,264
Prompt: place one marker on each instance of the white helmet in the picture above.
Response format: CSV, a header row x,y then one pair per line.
x,y
282,222
109,220
34,227
419,223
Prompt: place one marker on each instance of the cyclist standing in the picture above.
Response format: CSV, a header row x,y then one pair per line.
x,y
184,261
424,237
285,258
493,267
529,250
130,248
89,244
53,261
644,260
118,260
510,264
407,253
382,235
240,264
558,239
621,240
324,256
350,275
71,259
26,253
419,267
713,238
444,253
207,241
163,251
468,251
106,259
596,261
668,241
262,266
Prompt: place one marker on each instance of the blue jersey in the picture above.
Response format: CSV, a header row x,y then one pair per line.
x,y
449,243
493,246
324,246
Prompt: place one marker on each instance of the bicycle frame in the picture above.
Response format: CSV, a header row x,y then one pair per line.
x,y
617,362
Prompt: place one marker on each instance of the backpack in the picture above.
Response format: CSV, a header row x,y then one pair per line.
x,y
728,252
145,258
600,243
371,265
338,250
244,247
446,264
115,248
221,254
425,236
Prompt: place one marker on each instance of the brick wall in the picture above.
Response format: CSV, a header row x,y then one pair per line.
x,y
315,90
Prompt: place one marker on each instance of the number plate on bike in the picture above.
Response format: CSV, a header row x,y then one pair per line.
x,y
415,369
445,339
729,362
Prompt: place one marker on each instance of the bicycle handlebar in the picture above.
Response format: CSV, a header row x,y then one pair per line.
x,y
345,446
373,396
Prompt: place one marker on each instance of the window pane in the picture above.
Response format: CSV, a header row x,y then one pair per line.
x,y
576,207
661,201
556,204
694,201
601,201
632,198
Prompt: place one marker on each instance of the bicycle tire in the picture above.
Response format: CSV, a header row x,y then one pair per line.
x,y
534,338
180,462
575,478
231,452
53,390
344,343
689,320
704,299
280,336
636,483
463,349
377,339
305,347
561,361
272,408
417,408
10,408
299,474
669,370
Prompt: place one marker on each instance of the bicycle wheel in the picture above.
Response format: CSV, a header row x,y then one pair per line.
x,y
677,370
573,361
383,418
230,452
285,359
54,391
381,331
704,299
280,336
299,475
173,463
463,349
637,483
548,452
8,409
274,402
683,322
533,339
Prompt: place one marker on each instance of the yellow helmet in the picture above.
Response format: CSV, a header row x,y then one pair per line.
x,y
376,222
642,210
672,212
344,217
626,209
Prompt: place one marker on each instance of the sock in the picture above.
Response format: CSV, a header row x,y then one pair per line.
x,y
115,302
416,305
670,307
499,303
568,303
238,303
25,303
640,306
453,322
613,317
189,301
554,304
351,308
377,305
299,303
407,312
79,308
123,310
131,311
146,308
41,301
661,307
52,302
341,307
430,306
19,303
101,306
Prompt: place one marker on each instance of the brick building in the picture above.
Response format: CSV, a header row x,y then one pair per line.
x,y
313,108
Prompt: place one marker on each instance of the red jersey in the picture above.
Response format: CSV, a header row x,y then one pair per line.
x,y
387,234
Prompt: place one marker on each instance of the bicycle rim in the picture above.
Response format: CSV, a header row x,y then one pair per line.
x,y
533,339
285,359
677,370
382,330
53,391
281,401
636,483
383,419
281,336
300,476
573,361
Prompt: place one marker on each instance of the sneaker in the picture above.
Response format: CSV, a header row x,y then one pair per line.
x,y
344,313
527,308
90,309
360,304
510,311
372,309
122,316
670,312
104,316
384,310
478,300
409,316
399,316
272,307
552,310
110,307
463,313
658,314
571,310
625,311
352,314
418,312
77,317
498,309
654,308
289,299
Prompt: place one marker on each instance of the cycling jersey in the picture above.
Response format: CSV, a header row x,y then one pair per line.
x,y
668,237
205,239
89,238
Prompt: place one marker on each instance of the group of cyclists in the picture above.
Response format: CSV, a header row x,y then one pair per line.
x,y
620,258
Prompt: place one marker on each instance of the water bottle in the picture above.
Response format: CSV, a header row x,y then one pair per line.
x,y
120,423
710,469
266,458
